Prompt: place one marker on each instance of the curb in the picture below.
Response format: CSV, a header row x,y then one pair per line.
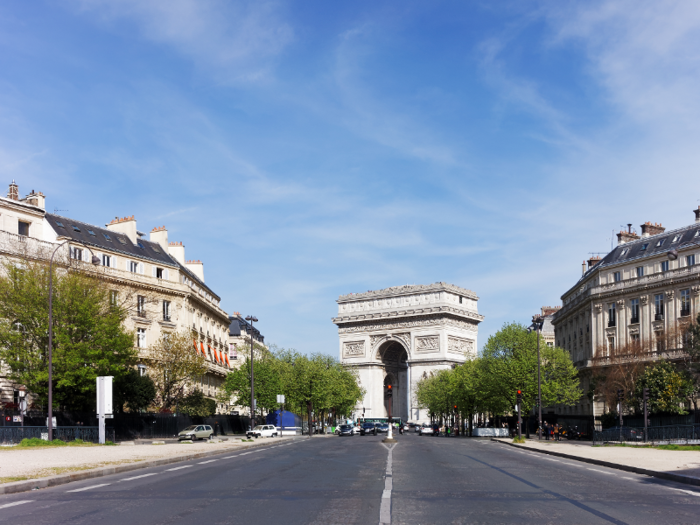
x,y
688,480
53,481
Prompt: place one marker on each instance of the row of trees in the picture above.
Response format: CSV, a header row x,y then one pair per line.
x,y
316,384
489,384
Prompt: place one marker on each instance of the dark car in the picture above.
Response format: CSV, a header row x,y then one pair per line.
x,y
346,430
383,428
368,428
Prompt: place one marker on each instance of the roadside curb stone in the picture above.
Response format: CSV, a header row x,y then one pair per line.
x,y
688,480
53,481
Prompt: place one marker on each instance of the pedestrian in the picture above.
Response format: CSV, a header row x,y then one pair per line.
x,y
546,431
556,432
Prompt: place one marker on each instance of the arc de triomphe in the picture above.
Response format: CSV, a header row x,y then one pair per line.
x,y
399,335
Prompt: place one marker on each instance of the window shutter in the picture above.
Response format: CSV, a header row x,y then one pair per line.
x,y
141,270
165,274
153,271
113,261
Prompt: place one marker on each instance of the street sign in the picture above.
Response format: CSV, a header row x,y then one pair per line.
x,y
280,398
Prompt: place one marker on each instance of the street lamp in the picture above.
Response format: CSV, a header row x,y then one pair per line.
x,y
538,321
252,319
96,261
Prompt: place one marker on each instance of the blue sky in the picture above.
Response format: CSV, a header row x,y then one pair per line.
x,y
308,149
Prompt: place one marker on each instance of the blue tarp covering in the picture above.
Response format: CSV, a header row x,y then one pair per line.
x,y
288,419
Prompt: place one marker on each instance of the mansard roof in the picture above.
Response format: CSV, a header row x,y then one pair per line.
x,y
109,240
238,324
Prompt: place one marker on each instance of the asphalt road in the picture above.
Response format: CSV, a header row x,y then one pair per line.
x,y
345,480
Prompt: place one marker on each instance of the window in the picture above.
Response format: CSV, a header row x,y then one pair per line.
x,y
634,338
690,260
106,260
60,225
141,337
76,253
133,267
611,314
697,233
685,303
166,310
634,311
139,244
659,306
660,243
640,271
232,351
461,299
107,237
140,306
617,277
75,228
91,232
676,238
664,266
159,273
644,246
611,345
156,249
623,252
113,298
23,228
121,240
660,342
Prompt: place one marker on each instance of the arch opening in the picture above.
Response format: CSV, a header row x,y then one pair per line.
x,y
394,359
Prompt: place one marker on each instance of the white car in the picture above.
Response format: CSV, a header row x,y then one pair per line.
x,y
425,430
262,431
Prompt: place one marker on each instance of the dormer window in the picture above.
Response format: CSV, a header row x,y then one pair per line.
x,y
676,238
60,225
155,249
644,246
660,243
75,228
623,252
697,233
138,243
91,232
121,240
107,237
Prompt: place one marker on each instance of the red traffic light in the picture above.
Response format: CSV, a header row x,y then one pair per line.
x,y
520,392
389,387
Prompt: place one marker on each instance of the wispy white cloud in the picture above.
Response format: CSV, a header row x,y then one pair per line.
x,y
235,41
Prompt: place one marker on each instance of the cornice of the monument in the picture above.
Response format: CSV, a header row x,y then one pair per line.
x,y
407,289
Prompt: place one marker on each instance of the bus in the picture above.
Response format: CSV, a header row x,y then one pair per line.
x,y
396,420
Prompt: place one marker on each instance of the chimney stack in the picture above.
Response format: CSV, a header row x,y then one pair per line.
x,y
36,199
197,268
177,250
593,261
159,234
697,214
125,225
626,236
649,229
583,267
13,191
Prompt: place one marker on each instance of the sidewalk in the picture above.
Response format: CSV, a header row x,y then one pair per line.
x,y
26,468
676,465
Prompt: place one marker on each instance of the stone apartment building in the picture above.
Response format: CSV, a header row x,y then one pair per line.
x,y
638,295
162,290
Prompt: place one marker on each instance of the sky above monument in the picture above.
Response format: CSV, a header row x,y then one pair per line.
x,y
308,149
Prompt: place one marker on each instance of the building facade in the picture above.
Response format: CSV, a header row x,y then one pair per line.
x,y
640,294
162,291
399,335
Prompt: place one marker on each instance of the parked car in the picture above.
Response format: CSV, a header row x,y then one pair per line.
x,y
368,428
262,431
346,430
417,428
195,432
425,430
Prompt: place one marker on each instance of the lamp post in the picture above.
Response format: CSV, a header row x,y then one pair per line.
x,y
96,261
252,319
538,320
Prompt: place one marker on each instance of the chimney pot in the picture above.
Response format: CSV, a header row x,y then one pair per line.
x,y
649,229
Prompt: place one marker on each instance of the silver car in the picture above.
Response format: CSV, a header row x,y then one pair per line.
x,y
195,432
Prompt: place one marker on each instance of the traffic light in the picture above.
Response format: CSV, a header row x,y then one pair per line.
x,y
620,395
455,407
520,396
645,394
388,391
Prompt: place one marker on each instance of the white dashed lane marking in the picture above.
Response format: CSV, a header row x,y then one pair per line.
x,y
139,477
602,471
90,487
15,503
205,462
178,468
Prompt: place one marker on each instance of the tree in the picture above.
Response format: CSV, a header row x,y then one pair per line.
x,y
89,339
467,390
173,365
195,404
133,391
435,393
668,388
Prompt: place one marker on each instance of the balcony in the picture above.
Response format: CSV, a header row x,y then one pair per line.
x,y
685,312
659,317
634,320
611,323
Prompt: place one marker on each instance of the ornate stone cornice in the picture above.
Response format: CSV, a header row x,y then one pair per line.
x,y
408,289
412,312
391,324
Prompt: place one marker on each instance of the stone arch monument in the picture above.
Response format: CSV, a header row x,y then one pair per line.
x,y
399,335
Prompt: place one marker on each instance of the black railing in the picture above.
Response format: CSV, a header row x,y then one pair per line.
x,y
13,435
611,322
685,312
634,320
658,317
676,434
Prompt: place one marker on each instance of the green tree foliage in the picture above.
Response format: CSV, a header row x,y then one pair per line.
x,y
133,391
316,383
195,404
89,339
173,365
669,389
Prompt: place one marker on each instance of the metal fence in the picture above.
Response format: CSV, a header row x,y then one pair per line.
x,y
664,435
13,435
